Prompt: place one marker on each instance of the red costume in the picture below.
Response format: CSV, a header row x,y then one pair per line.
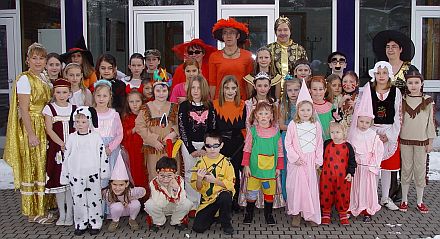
x,y
133,143
339,160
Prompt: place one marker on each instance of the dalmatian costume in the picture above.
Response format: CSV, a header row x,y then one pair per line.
x,y
84,166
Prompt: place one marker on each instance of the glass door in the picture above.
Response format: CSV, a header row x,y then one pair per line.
x,y
259,18
162,30
7,71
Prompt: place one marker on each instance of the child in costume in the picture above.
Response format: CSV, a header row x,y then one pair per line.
x,y
192,70
304,147
132,141
54,67
196,117
122,198
416,136
387,109
57,116
368,153
337,171
337,62
168,197
107,70
136,75
262,160
214,178
301,70
81,96
287,113
85,166
321,105
152,62
147,90
334,95
350,92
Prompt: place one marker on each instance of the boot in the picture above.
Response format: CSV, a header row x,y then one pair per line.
x,y
268,206
249,215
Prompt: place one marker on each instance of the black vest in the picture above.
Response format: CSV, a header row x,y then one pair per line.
x,y
384,111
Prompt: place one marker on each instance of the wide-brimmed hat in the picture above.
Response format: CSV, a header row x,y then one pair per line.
x,y
80,46
181,50
230,23
382,38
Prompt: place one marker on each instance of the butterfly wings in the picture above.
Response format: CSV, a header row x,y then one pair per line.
x,y
199,118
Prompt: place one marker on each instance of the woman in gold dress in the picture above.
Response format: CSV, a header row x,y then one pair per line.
x,y
25,149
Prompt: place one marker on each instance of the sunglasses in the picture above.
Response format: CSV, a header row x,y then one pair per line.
x,y
208,146
340,61
196,52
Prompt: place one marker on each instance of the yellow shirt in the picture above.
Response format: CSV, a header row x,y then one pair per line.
x,y
222,169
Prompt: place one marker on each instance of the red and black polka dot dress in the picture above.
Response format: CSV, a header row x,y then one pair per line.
x,y
339,160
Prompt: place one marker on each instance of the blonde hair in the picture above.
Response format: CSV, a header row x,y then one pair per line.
x,y
100,87
204,90
221,96
297,119
334,124
36,49
285,102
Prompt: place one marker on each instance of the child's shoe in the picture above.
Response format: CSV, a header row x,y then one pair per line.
x,y
403,207
113,226
133,224
60,222
154,228
268,206
192,214
228,230
94,231
422,208
313,224
326,221
388,203
296,220
249,215
344,222
79,232
367,219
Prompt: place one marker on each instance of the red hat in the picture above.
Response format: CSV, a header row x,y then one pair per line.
x,y
230,23
181,50
61,83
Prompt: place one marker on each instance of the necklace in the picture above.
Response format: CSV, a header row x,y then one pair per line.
x,y
231,54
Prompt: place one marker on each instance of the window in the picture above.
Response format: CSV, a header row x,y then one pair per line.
x,y
428,2
7,4
248,2
162,2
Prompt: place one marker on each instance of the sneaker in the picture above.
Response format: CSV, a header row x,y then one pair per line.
x,y
422,208
68,222
60,222
133,224
270,220
403,207
388,203
79,232
326,221
367,219
113,226
344,222
229,230
192,214
94,231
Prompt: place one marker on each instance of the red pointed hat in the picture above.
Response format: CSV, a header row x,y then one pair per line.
x,y
230,23
181,50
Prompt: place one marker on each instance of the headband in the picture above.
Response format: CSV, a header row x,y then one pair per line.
x,y
102,82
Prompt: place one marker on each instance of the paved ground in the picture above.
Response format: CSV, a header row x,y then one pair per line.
x,y
386,224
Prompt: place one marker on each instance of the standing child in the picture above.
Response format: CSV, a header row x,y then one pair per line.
x,y
152,60
262,160
334,95
320,104
192,70
387,108
53,67
85,166
81,96
287,113
110,126
416,136
106,68
301,70
368,152
136,66
337,172
213,176
57,116
122,198
350,92
196,117
168,197
132,141
337,62
304,156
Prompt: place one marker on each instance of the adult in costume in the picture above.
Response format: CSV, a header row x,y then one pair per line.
x,y
231,60
26,143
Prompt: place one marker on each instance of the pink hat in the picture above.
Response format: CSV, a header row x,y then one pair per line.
x,y
365,107
119,171
304,94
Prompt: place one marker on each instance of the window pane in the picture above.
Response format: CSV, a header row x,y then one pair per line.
x,y
108,30
428,2
431,48
375,17
163,36
248,2
257,31
42,25
4,58
7,4
162,2
312,28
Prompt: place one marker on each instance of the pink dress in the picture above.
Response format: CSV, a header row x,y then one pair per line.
x,y
369,151
303,142
178,91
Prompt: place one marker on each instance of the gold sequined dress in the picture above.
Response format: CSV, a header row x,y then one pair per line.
x,y
29,163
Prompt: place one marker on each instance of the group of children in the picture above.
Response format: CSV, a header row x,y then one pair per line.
x,y
308,143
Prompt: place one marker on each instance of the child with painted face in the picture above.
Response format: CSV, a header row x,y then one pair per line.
x,y
81,96
337,62
416,136
368,154
350,93
168,197
122,197
262,160
213,177
147,90
304,148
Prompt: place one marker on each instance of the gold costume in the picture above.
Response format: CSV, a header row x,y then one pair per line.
x,y
284,56
28,163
